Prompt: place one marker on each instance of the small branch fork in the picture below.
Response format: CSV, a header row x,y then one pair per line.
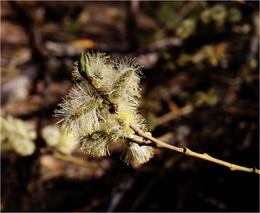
x,y
85,72
188,152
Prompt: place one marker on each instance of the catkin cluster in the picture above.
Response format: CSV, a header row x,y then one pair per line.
x,y
17,135
102,105
64,143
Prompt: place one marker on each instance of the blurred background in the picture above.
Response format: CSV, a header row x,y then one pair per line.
x,y
200,89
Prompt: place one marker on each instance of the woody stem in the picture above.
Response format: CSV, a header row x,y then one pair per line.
x,y
188,152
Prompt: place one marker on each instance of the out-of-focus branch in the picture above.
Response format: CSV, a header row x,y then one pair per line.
x,y
247,3
70,159
31,23
132,26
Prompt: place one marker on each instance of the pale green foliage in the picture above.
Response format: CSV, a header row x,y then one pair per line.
x,y
101,84
207,53
208,98
17,135
187,28
201,98
205,16
219,14
65,143
234,15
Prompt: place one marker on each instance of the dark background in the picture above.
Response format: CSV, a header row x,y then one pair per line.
x,y
200,90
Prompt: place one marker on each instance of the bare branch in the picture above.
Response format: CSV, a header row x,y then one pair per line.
x,y
188,152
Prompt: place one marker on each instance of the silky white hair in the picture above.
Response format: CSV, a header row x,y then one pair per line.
x,y
86,115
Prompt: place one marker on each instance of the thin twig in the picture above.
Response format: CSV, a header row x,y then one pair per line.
x,y
231,166
141,141
188,152
186,110
75,160
158,143
71,159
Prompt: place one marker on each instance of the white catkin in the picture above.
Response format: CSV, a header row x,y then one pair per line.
x,y
17,135
95,144
126,89
65,143
86,114
101,67
79,112
135,154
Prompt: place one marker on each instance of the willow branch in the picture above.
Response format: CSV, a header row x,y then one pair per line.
x,y
70,159
188,152
141,141
75,160
84,70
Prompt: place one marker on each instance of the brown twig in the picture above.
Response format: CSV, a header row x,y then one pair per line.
x,y
70,159
188,152
75,160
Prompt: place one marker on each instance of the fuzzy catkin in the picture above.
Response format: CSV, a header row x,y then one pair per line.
x,y
95,144
65,143
17,135
102,105
136,154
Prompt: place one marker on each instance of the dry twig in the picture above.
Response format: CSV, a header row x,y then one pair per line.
x,y
188,152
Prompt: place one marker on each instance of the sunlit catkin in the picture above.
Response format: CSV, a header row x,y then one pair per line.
x,y
64,143
102,105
